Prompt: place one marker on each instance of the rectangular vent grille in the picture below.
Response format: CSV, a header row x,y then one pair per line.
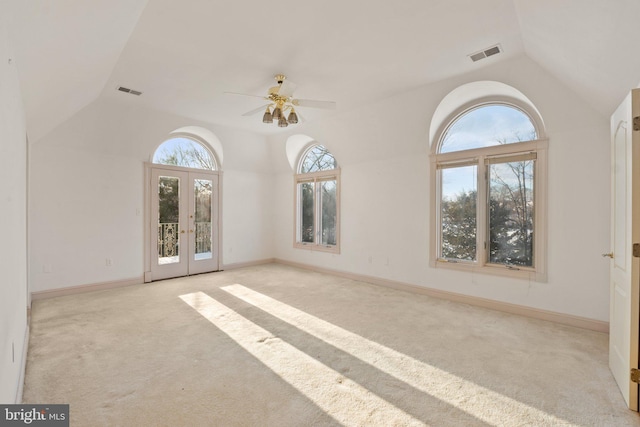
x,y
127,90
477,56
490,51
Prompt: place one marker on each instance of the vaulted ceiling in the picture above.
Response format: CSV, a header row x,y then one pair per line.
x,y
183,55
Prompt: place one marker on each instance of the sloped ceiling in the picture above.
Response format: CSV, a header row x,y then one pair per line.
x,y
590,45
183,55
66,50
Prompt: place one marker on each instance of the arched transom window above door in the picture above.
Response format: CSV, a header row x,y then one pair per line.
x,y
186,152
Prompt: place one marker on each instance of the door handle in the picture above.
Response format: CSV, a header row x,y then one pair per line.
x,y
610,255
181,231
190,231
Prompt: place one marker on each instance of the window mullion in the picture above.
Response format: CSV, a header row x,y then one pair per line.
x,y
317,205
482,222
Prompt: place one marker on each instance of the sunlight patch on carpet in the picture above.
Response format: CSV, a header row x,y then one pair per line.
x,y
487,405
341,398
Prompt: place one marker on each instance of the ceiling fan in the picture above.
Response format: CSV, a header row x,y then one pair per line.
x,y
281,100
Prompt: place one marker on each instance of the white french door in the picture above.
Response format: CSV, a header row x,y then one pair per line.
x,y
183,225
625,233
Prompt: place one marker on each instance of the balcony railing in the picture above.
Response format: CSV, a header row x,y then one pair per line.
x,y
169,239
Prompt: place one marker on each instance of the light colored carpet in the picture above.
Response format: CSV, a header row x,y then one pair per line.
x,y
277,346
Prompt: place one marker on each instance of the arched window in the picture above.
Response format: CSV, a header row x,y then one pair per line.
x,y
487,126
317,158
317,200
185,152
489,174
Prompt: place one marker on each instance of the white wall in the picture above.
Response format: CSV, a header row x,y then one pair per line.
x,y
248,206
13,215
87,198
383,152
87,190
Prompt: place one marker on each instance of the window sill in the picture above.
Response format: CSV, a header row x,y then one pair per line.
x,y
334,249
523,273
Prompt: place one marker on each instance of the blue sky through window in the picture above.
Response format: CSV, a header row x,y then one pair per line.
x,y
459,180
487,126
481,127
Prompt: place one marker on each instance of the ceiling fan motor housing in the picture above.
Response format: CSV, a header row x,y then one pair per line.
x,y
275,89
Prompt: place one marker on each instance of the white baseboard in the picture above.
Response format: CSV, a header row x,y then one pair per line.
x,y
52,293
248,264
565,319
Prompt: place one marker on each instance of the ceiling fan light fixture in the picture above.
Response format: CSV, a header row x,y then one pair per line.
x,y
280,100
267,118
277,113
293,117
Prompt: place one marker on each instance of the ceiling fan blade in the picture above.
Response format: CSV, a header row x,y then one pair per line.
x,y
257,110
246,94
329,105
287,88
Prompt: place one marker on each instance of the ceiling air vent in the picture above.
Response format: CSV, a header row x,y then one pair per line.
x,y
127,90
490,51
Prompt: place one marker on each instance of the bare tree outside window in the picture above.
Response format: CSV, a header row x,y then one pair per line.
x,y
511,199
509,181
317,159
184,152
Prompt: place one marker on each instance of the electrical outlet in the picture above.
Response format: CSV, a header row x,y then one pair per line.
x,y
107,262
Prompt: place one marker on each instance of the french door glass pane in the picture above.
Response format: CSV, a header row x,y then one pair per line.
x,y
458,212
202,212
307,217
329,212
511,233
168,218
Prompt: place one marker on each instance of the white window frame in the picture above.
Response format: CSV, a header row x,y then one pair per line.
x,y
479,157
316,178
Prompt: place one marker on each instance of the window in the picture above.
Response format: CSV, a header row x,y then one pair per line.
x,y
185,152
317,201
489,170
